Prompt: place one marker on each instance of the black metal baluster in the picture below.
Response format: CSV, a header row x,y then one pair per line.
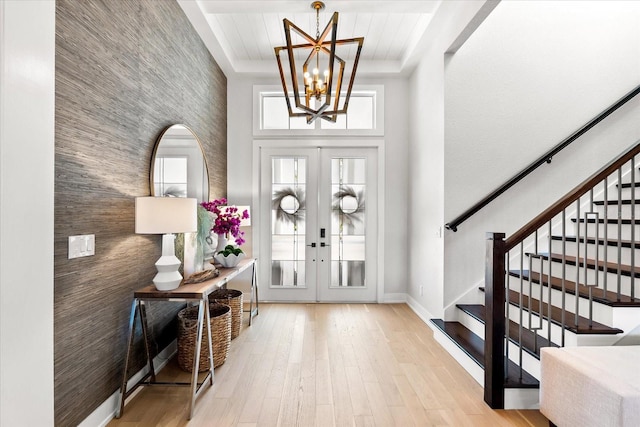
x,y
619,277
633,228
576,314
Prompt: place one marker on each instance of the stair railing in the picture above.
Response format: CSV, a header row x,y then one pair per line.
x,y
540,301
545,158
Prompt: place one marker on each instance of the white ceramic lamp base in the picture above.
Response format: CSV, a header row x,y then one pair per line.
x,y
168,277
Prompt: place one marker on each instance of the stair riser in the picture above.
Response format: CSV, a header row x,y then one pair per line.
x,y
597,230
625,193
471,323
624,210
601,313
530,363
611,255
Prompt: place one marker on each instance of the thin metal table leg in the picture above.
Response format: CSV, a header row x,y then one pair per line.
x,y
254,292
251,292
123,388
145,336
196,358
209,343
255,280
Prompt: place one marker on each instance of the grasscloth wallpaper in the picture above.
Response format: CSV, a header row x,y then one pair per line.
x,y
125,69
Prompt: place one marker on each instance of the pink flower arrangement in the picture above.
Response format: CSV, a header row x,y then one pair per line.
x,y
227,219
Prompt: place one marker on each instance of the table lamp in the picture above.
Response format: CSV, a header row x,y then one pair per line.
x,y
166,215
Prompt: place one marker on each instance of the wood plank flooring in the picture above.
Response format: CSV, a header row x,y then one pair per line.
x,y
329,365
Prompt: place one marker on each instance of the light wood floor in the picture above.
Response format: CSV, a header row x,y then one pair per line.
x,y
329,365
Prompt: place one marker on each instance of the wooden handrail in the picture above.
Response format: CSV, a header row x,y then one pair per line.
x,y
545,158
573,195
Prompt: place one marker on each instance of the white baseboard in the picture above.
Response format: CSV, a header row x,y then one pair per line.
x,y
107,411
394,298
418,309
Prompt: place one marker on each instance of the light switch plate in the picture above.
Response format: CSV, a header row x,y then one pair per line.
x,y
81,246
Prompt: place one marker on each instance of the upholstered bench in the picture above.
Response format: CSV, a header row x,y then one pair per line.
x,y
591,386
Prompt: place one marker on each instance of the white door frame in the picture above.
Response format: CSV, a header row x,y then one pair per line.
x,y
377,143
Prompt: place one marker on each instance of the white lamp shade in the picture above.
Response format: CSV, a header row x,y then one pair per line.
x,y
161,215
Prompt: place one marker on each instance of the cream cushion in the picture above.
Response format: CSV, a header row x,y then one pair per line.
x,y
591,386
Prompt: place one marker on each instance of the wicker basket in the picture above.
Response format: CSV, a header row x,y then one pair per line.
x,y
220,337
232,298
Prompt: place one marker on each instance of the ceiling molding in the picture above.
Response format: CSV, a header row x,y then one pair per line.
x,y
198,20
241,34
301,6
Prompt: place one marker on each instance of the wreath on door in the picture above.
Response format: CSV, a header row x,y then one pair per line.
x,y
349,205
289,205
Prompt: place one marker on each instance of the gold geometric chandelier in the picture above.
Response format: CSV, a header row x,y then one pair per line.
x,y
323,69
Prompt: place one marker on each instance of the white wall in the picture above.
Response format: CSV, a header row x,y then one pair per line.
x,y
426,162
27,55
240,172
532,74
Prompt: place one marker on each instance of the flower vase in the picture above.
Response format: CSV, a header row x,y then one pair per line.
x,y
222,243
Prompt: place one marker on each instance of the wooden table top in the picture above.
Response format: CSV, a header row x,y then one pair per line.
x,y
196,291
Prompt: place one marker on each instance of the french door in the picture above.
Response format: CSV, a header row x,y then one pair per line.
x,y
318,221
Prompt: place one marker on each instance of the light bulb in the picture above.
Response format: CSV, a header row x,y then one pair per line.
x,y
306,75
315,71
326,73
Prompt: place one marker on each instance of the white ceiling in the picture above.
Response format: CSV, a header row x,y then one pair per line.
x,y
241,34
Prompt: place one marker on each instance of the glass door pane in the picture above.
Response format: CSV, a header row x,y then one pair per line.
x,y
288,208
348,212
348,225
288,180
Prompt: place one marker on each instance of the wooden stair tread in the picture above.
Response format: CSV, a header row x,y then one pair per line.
x,y
616,202
556,317
625,221
611,267
530,343
609,242
473,346
599,295
629,184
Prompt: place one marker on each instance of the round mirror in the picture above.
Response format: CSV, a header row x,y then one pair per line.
x,y
289,204
178,166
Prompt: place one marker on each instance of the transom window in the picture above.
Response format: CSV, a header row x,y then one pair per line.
x,y
364,115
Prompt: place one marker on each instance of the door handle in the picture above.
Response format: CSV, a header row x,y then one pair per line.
x,y
313,245
324,245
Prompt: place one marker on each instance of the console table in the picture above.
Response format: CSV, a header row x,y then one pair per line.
x,y
191,293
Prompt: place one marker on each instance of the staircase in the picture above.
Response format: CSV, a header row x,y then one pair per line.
x,y
567,278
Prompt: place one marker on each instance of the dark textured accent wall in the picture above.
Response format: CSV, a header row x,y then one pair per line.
x,y
125,69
